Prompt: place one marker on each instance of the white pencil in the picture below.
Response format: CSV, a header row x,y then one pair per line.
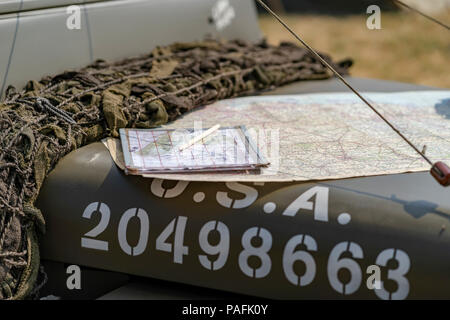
x,y
200,137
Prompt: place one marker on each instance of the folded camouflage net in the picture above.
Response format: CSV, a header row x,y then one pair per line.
x,y
59,114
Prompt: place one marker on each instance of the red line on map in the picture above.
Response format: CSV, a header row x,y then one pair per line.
x,y
157,150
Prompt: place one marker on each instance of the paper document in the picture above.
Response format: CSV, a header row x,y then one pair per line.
x,y
158,151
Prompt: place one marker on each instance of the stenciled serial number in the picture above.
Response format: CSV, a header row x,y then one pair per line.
x,y
256,242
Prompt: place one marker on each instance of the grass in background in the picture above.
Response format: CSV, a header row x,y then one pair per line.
x,y
409,48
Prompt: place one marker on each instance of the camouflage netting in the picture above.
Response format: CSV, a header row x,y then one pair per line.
x,y
59,114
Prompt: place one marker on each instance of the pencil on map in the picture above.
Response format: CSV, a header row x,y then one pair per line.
x,y
200,137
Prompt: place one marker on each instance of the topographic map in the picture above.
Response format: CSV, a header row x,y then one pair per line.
x,y
330,136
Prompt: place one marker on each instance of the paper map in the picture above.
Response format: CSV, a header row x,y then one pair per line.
x,y
158,150
331,136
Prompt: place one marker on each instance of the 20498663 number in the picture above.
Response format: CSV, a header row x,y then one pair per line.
x,y
215,256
